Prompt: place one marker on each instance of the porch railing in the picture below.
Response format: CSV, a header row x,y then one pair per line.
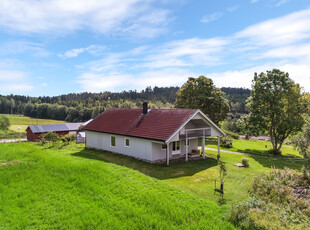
x,y
197,132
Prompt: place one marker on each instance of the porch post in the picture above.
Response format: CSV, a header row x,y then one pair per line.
x,y
203,143
167,153
218,147
186,153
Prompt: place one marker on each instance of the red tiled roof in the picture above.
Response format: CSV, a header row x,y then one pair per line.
x,y
158,124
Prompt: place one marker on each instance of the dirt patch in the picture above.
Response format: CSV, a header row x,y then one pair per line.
x,y
239,165
10,162
198,179
179,173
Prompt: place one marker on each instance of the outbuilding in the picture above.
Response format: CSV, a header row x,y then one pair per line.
x,y
34,131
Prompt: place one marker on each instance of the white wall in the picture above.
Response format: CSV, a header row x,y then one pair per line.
x,y
158,152
138,148
193,144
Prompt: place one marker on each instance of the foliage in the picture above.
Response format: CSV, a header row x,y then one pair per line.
x,y
49,137
305,106
226,142
4,123
245,162
222,169
236,123
232,134
83,106
275,106
237,98
200,93
301,142
278,202
70,188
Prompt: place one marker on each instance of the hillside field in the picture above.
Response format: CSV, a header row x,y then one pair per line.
x,y
23,122
60,189
74,187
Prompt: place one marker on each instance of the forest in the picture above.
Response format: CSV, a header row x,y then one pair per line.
x,y
75,107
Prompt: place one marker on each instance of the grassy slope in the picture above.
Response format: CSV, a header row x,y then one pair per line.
x,y
23,122
256,147
66,188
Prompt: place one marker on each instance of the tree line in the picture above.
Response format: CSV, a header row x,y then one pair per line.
x,y
75,107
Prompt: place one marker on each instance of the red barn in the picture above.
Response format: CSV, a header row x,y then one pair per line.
x,y
34,131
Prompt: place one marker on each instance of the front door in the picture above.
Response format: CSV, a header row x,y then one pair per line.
x,y
175,147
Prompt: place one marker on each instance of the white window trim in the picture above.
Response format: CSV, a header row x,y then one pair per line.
x,y
111,141
127,146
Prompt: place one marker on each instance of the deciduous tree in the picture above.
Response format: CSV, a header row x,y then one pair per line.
x,y
274,105
4,123
201,93
302,143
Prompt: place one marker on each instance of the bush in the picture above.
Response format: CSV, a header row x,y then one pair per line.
x,y
226,142
280,200
49,137
245,162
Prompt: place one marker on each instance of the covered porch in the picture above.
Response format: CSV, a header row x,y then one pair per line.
x,y
186,144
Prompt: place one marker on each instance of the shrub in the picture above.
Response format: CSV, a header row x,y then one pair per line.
x,y
245,162
49,137
226,142
280,200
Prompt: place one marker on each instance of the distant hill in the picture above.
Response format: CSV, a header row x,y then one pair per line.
x,y
83,106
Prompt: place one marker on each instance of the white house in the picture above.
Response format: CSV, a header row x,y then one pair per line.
x,y
151,135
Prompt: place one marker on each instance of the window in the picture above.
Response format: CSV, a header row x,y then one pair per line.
x,y
112,141
126,142
187,142
163,146
175,146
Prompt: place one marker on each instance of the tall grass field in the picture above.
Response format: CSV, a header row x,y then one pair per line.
x,y
73,188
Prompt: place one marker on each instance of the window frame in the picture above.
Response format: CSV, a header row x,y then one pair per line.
x,y
113,146
188,140
125,144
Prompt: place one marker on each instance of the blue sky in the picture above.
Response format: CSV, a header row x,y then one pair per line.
x,y
52,47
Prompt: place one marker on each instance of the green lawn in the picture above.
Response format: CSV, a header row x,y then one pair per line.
x,y
256,147
74,188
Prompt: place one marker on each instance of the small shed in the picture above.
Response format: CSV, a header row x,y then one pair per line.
x,y
80,138
34,131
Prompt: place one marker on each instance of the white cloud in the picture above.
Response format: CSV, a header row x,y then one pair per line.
x,y
281,2
92,49
211,17
16,47
254,49
13,81
108,17
233,8
280,31
187,52
243,78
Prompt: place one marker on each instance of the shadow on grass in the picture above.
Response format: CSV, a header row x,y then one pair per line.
x,y
158,171
279,163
